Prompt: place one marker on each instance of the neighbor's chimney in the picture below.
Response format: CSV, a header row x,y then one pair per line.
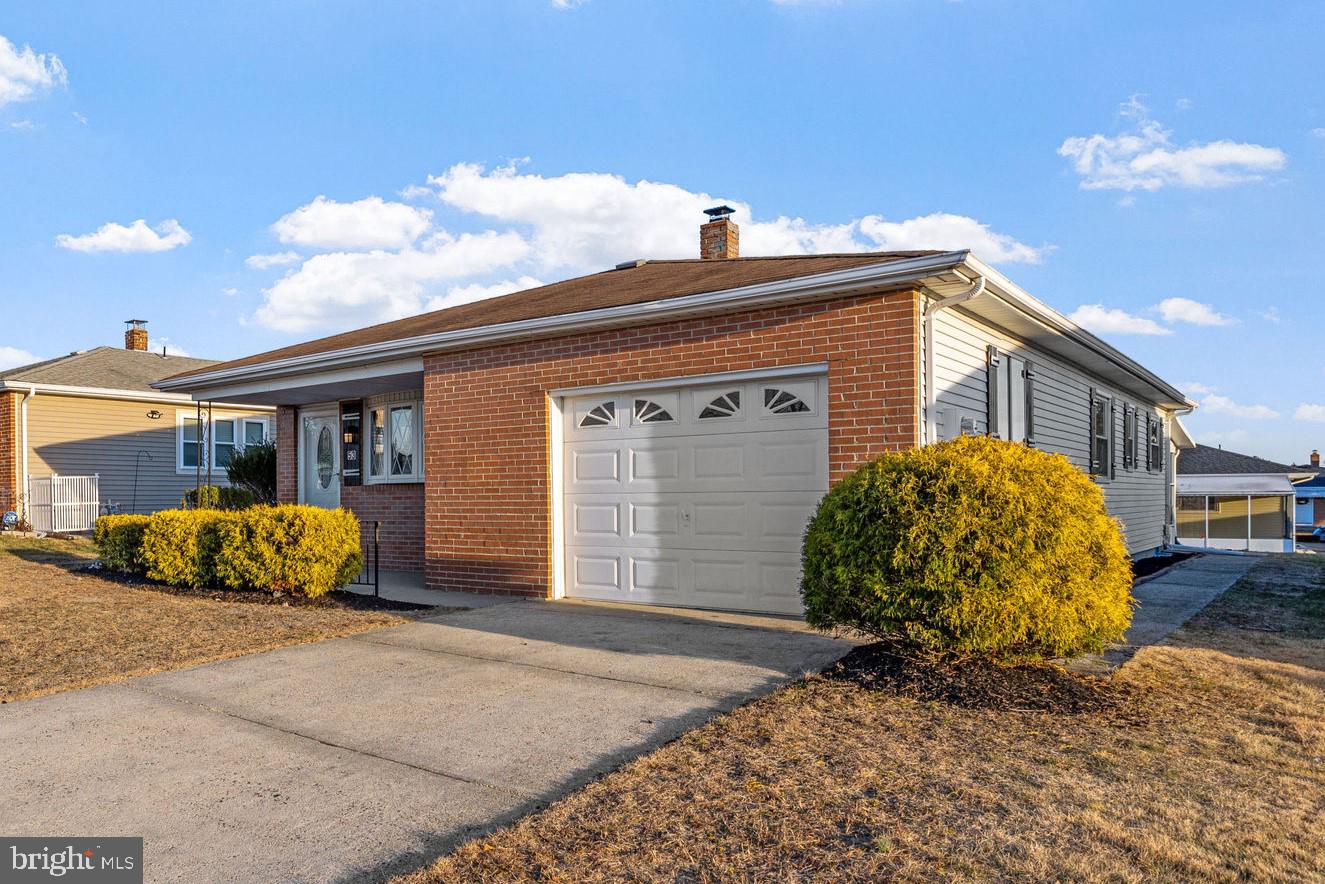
x,y
719,237
135,335
1315,458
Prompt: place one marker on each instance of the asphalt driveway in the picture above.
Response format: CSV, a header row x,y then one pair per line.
x,y
359,757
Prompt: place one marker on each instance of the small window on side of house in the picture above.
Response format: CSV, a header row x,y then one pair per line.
x,y
1101,435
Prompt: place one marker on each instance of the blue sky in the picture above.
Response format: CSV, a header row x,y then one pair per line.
x,y
1156,170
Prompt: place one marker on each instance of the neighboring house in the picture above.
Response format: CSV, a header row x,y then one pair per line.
x,y
1235,501
94,413
1309,491
661,432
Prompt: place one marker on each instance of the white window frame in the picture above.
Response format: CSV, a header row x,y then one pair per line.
x,y
182,416
386,404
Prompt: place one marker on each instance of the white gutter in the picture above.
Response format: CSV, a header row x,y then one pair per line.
x,y
112,393
764,294
976,290
23,415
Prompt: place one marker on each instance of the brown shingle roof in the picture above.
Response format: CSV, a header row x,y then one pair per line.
x,y
650,281
106,368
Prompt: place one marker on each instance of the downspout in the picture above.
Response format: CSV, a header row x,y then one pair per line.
x,y
23,416
1171,467
976,290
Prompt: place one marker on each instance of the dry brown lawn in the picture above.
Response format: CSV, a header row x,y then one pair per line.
x,y
64,628
1201,760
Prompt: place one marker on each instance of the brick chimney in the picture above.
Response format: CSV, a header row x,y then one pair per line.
x,y
135,334
719,237
1315,458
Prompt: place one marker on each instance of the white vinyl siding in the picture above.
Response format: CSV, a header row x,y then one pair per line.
x,y
1060,397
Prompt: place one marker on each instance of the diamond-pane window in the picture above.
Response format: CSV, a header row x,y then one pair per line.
x,y
402,440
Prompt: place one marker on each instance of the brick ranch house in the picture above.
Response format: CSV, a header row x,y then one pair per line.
x,y
661,432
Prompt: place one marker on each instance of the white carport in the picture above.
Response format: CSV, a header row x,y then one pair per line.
x,y
1237,512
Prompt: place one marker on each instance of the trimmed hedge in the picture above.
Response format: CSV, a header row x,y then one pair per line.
x,y
300,549
119,541
218,497
973,546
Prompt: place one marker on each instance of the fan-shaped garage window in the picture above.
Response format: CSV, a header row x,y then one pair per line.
x,y
780,401
726,405
649,412
603,415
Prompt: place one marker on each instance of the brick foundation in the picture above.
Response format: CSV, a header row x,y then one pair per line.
x,y
488,523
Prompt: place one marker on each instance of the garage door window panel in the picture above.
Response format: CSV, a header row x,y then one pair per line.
x,y
600,415
725,405
655,409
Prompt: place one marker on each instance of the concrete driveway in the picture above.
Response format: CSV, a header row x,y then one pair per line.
x,y
359,757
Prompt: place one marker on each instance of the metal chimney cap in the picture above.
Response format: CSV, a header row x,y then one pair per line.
x,y
717,213
135,323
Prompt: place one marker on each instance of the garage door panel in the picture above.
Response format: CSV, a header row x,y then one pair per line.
x,y
665,507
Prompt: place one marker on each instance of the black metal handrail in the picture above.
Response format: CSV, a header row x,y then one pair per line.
x,y
370,575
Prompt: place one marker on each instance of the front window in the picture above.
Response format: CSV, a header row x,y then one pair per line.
x,y
1155,451
223,443
255,432
395,442
189,443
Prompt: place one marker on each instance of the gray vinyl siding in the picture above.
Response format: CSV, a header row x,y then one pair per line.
x,y
74,436
1061,404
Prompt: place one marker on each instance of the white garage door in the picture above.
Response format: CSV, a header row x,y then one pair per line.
x,y
695,496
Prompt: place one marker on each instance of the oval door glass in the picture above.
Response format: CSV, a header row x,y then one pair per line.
x,y
324,457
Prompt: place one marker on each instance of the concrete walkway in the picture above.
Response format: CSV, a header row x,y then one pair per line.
x,y
355,758
408,586
1167,601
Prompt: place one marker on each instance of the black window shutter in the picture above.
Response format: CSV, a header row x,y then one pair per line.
x,y
1029,374
993,359
1149,429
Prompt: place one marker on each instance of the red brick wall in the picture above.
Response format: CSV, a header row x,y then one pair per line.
x,y
398,507
11,458
486,416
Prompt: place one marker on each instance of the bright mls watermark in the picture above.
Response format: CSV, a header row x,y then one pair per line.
x,y
108,860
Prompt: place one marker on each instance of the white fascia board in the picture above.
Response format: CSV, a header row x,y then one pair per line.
x,y
329,376
842,282
1013,294
694,380
124,395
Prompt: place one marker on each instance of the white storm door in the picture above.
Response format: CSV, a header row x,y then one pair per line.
x,y
694,496
319,458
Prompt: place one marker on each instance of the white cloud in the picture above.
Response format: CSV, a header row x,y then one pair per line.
x,y
464,294
348,289
1144,158
172,349
24,73
1270,314
568,4
1310,412
588,220
1214,403
369,223
1184,104
1195,388
540,228
230,292
1193,312
137,237
1318,132
12,357
279,259
1111,320
24,125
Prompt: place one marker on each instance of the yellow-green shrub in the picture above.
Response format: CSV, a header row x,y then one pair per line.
x,y
181,547
300,549
119,542
973,546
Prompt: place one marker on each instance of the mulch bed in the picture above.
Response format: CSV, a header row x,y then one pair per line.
x,y
895,669
338,598
1154,564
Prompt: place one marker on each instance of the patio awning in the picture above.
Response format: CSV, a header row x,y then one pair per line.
x,y
1228,486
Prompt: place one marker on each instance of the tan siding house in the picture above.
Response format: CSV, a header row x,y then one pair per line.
x,y
94,413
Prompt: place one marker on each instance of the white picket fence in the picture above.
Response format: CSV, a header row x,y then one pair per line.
x,y
63,503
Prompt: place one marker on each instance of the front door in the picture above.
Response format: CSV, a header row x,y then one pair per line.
x,y
319,459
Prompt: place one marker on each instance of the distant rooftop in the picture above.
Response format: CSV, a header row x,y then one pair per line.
x,y
106,368
1205,460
